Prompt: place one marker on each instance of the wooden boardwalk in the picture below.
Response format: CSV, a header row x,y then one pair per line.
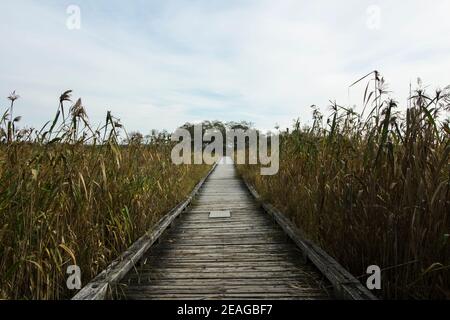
x,y
246,256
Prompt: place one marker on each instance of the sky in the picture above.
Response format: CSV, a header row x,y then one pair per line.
x,y
159,64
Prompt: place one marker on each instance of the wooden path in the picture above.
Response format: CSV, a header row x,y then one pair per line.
x,y
246,256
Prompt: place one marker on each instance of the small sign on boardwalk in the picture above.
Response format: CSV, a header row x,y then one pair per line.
x,y
220,214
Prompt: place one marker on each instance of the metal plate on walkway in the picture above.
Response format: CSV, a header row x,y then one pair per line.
x,y
220,214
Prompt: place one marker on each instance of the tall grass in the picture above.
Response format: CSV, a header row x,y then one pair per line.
x,y
72,194
373,188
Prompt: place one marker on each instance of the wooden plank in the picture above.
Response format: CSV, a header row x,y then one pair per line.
x,y
243,282
222,236
155,289
235,296
202,243
213,229
223,250
205,258
247,290
263,247
221,265
225,275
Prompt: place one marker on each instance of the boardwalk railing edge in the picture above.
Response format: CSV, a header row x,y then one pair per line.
x,y
345,285
98,288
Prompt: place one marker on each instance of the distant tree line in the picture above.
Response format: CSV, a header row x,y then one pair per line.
x,y
158,137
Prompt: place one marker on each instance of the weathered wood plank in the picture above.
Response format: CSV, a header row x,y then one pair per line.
x,y
226,275
221,265
205,258
242,282
236,296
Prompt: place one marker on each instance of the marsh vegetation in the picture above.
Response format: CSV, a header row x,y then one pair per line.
x,y
71,194
373,188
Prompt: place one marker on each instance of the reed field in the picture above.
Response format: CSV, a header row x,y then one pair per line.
x,y
373,188
71,194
